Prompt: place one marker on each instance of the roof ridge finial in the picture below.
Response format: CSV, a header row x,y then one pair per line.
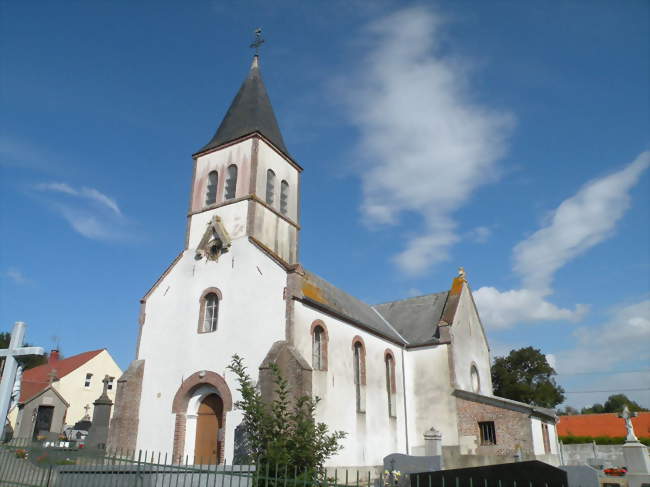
x,y
257,43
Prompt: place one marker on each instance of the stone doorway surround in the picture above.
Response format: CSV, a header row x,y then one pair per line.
x,y
189,395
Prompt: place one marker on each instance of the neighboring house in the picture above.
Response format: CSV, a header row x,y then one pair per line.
x,y
76,380
386,374
606,424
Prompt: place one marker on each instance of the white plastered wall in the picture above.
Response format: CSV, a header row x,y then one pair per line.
x,y
538,436
429,399
173,349
267,158
371,435
469,346
238,154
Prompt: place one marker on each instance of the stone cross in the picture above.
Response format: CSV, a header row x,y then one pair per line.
x,y
627,416
15,349
106,381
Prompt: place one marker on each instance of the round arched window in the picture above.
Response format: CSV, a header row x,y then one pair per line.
x,y
476,381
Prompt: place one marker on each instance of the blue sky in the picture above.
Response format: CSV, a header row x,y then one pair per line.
x,y
508,137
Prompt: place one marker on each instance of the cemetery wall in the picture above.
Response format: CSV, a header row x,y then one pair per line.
x,y
592,454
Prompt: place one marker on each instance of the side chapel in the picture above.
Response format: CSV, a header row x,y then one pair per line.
x,y
386,373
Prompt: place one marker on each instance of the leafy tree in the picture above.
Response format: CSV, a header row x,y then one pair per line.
x,y
525,375
283,433
28,361
568,411
614,404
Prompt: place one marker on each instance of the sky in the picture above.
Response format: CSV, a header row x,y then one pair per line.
x,y
507,137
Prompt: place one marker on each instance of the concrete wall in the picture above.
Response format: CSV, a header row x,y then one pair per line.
x,y
429,399
470,346
173,349
373,434
592,454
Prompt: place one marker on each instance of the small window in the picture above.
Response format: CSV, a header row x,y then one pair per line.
x,y
318,349
488,433
211,191
88,380
475,379
270,187
284,197
390,384
359,370
110,384
545,437
231,182
211,312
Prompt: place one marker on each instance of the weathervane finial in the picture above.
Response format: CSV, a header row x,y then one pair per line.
x,y
258,41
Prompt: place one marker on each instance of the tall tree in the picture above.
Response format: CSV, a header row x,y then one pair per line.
x,y
525,375
614,404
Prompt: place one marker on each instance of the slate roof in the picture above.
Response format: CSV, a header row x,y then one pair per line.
x,y
607,424
250,112
416,319
37,379
317,291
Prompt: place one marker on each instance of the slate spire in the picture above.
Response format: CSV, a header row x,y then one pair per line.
x,y
249,112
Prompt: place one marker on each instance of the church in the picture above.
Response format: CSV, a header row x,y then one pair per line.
x,y
387,374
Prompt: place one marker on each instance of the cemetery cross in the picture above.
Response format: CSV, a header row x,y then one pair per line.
x,y
15,350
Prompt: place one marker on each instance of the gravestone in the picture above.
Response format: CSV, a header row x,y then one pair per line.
x,y
635,454
582,475
98,434
406,465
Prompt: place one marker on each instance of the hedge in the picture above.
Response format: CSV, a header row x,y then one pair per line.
x,y
600,440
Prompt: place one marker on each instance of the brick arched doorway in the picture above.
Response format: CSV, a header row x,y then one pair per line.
x,y
191,400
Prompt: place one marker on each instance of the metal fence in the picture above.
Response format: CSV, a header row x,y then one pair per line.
x,y
60,464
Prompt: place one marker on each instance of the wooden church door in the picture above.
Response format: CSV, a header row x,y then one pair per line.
x,y
208,448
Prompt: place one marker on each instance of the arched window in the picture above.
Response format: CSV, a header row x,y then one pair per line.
x,y
475,379
391,387
231,182
319,345
359,366
284,197
209,310
211,191
270,186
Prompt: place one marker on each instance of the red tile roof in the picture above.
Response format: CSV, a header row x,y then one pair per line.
x,y
608,424
36,379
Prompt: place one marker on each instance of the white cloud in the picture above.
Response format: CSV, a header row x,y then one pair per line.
x,y
16,275
425,145
500,309
577,224
89,212
480,234
625,337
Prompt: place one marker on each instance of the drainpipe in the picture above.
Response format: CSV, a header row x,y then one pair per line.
x,y
406,417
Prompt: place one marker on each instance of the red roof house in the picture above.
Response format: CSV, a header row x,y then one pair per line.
x,y
607,424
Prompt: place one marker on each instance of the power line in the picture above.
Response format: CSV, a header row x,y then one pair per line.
x,y
604,372
609,390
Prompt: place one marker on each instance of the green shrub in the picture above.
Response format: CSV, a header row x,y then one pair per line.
x,y
600,440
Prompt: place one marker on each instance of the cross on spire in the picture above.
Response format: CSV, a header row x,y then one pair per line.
x,y
258,41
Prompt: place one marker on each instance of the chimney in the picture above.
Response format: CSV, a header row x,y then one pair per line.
x,y
54,356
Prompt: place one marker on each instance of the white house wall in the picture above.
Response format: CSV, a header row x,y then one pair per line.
x,y
429,399
173,349
233,218
469,346
267,158
373,434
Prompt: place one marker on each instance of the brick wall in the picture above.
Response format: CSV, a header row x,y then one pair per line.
x,y
513,429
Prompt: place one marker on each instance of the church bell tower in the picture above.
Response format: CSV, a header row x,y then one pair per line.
x,y
245,183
